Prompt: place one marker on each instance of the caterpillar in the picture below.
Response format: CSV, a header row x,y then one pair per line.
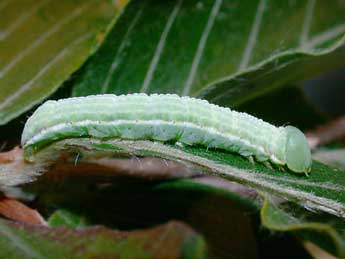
x,y
166,117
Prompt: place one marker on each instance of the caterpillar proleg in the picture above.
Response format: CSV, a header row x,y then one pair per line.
x,y
166,117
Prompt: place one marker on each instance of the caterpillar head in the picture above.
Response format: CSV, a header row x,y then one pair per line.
x,y
298,156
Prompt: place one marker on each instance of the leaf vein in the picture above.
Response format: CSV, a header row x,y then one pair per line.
x,y
4,4
41,39
59,56
160,47
325,36
323,185
201,47
22,19
116,61
18,242
253,35
308,16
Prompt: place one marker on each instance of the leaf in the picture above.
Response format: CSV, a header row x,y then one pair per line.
x,y
172,240
292,108
322,190
224,212
67,218
15,210
224,51
216,197
316,252
322,230
14,170
43,42
136,205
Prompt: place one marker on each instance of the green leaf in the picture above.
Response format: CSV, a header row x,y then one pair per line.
x,y
224,212
322,230
176,240
292,108
136,205
224,51
67,218
43,42
322,190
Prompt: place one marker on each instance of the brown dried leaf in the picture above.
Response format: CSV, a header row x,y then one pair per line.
x,y
15,210
14,170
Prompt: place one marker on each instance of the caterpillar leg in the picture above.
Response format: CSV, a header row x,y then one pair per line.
x,y
135,159
281,168
268,165
179,144
251,160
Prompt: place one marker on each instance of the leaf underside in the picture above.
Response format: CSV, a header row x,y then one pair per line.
x,y
322,190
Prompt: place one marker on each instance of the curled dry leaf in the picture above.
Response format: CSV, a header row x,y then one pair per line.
x,y
331,131
14,170
11,156
15,210
317,252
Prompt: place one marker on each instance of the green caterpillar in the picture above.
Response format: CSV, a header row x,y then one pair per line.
x,y
168,117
